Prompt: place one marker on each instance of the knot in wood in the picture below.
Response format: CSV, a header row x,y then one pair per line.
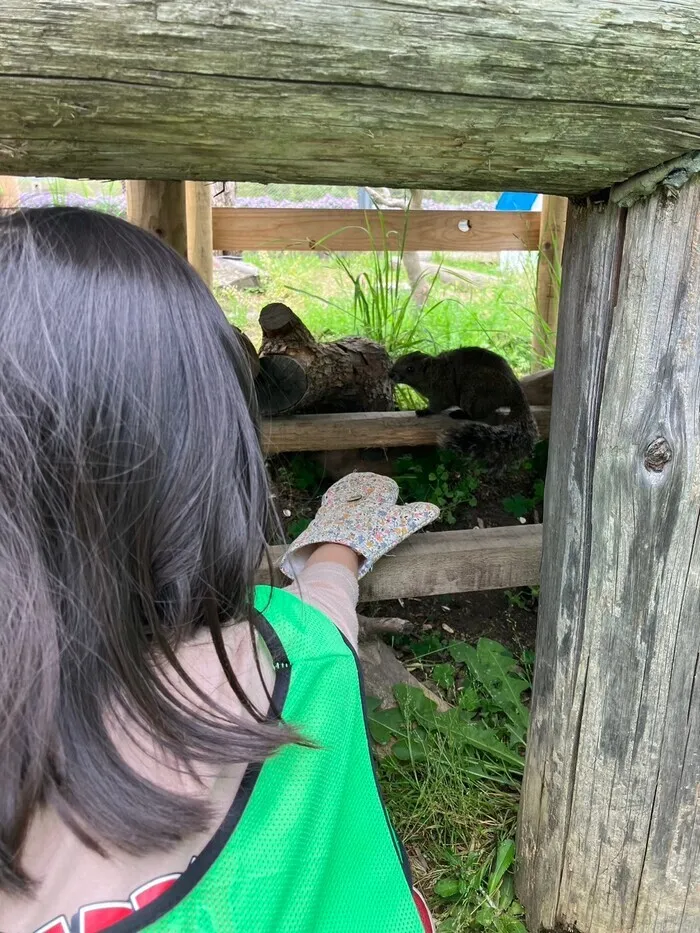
x,y
657,455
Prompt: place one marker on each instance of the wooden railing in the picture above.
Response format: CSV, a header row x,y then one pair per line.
x,y
305,229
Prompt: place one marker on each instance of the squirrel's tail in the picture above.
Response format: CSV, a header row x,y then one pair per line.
x,y
499,444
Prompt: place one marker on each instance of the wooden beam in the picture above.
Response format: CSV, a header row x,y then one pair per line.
x,y
303,229
363,429
538,388
159,207
199,229
9,192
549,97
440,562
609,837
552,228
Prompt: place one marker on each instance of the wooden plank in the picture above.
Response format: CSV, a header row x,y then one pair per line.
x,y
160,208
305,229
440,562
9,192
538,387
552,229
363,429
199,229
609,838
553,97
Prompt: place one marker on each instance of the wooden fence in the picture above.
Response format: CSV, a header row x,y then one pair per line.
x,y
430,564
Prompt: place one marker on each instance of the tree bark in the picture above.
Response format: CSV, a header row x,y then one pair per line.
x,y
609,837
342,376
370,627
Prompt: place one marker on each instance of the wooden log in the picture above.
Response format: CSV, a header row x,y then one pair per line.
x,y
609,838
348,431
371,626
279,381
9,193
200,249
280,386
552,227
538,390
160,208
317,230
382,670
550,97
440,562
343,375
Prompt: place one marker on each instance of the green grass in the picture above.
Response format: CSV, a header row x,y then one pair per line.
x,y
498,313
451,780
380,304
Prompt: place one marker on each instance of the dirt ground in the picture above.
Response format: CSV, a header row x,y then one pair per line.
x,y
504,616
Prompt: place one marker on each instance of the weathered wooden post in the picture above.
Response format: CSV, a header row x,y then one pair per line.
x,y
159,206
609,837
552,227
9,192
200,250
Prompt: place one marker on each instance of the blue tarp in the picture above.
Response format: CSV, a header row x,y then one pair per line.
x,y
516,201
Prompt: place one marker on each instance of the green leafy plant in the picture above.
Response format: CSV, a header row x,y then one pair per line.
x,y
380,306
301,473
519,505
295,528
497,677
489,723
423,647
527,661
525,598
443,477
487,886
451,779
444,675
537,464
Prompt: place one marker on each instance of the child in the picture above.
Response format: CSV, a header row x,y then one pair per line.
x,y
180,752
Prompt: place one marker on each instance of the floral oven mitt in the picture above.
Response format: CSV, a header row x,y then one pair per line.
x,y
360,512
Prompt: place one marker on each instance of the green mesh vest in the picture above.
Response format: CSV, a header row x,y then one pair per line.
x,y
307,846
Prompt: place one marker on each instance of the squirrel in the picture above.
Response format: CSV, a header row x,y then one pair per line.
x,y
478,382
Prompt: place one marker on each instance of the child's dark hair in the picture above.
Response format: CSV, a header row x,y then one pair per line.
x,y
133,510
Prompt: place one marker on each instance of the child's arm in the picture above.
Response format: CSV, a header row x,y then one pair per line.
x,y
329,583
358,522
335,554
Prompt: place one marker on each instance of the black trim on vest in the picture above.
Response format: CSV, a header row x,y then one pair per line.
x,y
194,873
